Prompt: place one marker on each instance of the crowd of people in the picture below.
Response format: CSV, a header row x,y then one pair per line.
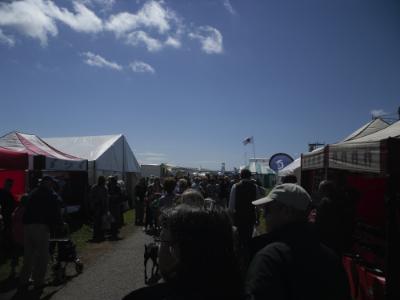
x,y
205,228
211,251
106,201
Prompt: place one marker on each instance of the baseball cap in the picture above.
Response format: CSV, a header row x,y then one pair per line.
x,y
289,194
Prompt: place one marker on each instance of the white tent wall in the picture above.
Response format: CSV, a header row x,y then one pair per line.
x,y
292,169
108,155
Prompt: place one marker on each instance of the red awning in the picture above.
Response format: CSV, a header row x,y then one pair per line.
x,y
13,160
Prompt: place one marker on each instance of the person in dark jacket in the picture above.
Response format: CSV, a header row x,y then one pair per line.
x,y
115,200
293,264
42,214
99,205
241,197
140,195
7,204
196,257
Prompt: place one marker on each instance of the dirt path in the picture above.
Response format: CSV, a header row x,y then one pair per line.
x,y
112,270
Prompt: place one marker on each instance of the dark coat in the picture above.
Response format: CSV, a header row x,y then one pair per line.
x,y
294,265
43,207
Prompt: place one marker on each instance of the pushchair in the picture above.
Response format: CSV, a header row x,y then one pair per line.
x,y
63,256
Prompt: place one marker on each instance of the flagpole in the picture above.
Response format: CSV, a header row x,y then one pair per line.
x,y
254,148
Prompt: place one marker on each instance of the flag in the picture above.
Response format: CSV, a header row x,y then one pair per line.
x,y
248,140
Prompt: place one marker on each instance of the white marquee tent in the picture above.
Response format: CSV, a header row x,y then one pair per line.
x,y
107,155
292,169
369,128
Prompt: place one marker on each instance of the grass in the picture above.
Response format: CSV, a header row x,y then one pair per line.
x,y
81,233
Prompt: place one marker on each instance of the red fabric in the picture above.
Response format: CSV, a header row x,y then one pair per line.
x,y
349,266
18,188
35,150
371,205
372,286
13,160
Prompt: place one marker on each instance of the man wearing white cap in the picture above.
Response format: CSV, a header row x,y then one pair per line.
x,y
292,263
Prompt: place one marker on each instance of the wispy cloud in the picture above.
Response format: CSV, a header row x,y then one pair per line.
x,y
6,40
152,158
96,60
37,18
210,39
378,112
141,67
173,42
153,25
142,38
153,15
229,7
104,5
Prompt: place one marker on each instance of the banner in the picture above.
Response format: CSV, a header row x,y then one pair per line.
x,y
279,160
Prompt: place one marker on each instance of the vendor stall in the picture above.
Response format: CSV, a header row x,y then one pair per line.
x,y
26,157
369,164
107,155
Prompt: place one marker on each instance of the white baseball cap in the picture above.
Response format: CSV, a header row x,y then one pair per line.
x,y
289,194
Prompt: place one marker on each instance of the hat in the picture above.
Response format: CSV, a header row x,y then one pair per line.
x,y
288,194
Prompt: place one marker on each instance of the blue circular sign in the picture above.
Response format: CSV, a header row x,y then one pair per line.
x,y
279,160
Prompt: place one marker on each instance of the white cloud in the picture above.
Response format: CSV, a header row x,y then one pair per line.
x,y
153,15
140,37
6,40
104,4
37,18
98,61
153,25
229,7
173,42
29,18
141,67
83,21
210,38
378,112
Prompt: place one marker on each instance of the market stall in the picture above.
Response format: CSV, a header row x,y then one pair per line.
x,y
106,154
369,164
26,157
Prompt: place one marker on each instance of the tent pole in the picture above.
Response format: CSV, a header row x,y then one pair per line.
x,y
123,158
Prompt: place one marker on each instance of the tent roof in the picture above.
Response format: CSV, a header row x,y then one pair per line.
x,y
88,147
290,168
369,128
392,130
111,152
33,145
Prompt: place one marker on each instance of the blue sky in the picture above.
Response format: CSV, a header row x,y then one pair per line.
x,y
186,80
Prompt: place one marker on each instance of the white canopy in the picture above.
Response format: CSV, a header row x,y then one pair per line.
x,y
390,131
363,154
34,146
369,128
291,168
105,153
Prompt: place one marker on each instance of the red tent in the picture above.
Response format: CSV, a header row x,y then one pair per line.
x,y
44,156
13,160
